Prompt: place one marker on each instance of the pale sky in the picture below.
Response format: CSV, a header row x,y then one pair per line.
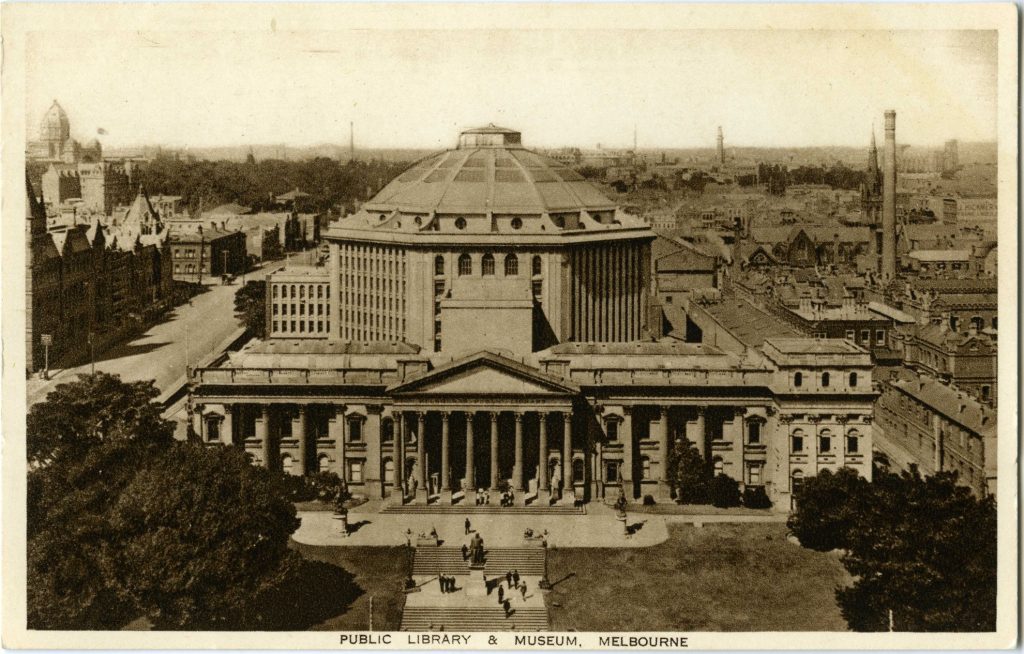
x,y
559,87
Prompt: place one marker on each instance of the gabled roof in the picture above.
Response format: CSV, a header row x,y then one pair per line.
x,y
484,374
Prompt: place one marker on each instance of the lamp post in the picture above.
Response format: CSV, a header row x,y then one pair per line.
x,y
47,341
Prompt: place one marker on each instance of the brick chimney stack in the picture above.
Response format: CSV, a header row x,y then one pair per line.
x,y
889,199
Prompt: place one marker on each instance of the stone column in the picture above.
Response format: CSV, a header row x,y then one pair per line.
x,y
663,485
543,490
699,436
422,492
494,450
227,435
373,470
446,482
470,485
626,436
300,429
336,428
598,464
517,468
569,492
398,456
263,433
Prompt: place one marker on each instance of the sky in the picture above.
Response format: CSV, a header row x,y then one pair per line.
x,y
418,89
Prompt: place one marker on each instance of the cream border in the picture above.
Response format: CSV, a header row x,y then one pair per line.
x,y
19,19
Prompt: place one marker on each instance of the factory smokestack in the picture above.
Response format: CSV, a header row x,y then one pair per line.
x,y
721,146
889,199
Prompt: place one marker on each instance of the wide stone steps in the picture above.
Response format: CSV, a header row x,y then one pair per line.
x,y
448,560
465,618
449,509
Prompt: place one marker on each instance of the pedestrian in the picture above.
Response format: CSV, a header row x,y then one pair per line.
x,y
523,589
467,528
508,578
440,582
465,552
515,577
501,594
508,607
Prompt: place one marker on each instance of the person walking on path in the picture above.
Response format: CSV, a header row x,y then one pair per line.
x,y
467,526
523,589
508,578
508,608
515,577
501,594
465,552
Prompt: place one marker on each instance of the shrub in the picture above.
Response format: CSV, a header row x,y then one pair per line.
x,y
755,497
724,491
649,500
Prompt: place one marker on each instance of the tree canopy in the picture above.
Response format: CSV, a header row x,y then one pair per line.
x,y
921,550
251,307
124,522
93,409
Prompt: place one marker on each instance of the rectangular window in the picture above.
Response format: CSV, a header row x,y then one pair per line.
x,y
852,445
754,475
355,431
275,326
754,433
851,335
825,444
798,444
355,472
879,336
611,470
865,336
613,430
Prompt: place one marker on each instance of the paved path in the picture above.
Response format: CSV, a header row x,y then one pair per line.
x,y
598,528
191,332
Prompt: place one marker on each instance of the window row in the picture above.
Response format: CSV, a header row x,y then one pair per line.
x,y
825,379
289,290
826,442
487,265
299,309
301,326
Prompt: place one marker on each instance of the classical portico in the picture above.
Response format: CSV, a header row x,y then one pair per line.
x,y
488,422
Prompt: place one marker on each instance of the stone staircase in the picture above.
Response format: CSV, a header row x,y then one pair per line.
x,y
467,618
529,561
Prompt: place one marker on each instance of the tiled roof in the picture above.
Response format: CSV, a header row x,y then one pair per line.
x,y
949,402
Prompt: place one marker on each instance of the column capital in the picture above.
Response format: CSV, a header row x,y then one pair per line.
x,y
445,415
302,409
518,416
420,415
700,411
494,415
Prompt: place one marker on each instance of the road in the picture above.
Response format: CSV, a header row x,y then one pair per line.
x,y
191,332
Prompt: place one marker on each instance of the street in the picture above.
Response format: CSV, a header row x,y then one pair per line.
x,y
191,332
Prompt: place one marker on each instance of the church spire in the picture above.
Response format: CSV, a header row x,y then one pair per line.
x,y
873,155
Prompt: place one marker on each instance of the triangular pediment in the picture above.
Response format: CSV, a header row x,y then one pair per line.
x,y
484,374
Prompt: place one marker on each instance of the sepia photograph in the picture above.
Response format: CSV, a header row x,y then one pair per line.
x,y
512,326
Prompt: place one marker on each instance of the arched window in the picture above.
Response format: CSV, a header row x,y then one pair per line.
x,y
797,441
323,463
645,467
273,290
853,379
977,322
719,466
853,442
536,266
825,379
465,265
213,429
798,379
487,264
387,430
389,471
439,265
825,442
287,463
511,265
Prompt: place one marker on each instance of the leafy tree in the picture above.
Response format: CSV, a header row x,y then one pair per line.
x,y
755,497
689,473
724,491
95,408
924,549
921,550
251,307
201,532
827,509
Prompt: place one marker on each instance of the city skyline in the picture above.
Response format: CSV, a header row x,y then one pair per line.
x,y
531,81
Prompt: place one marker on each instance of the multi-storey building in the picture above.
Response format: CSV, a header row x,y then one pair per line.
x,y
488,322
926,423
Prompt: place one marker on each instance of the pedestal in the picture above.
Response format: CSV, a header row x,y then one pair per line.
x,y
396,499
446,498
475,586
421,496
544,498
569,498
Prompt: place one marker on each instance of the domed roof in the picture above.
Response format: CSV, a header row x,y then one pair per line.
x,y
490,171
55,124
